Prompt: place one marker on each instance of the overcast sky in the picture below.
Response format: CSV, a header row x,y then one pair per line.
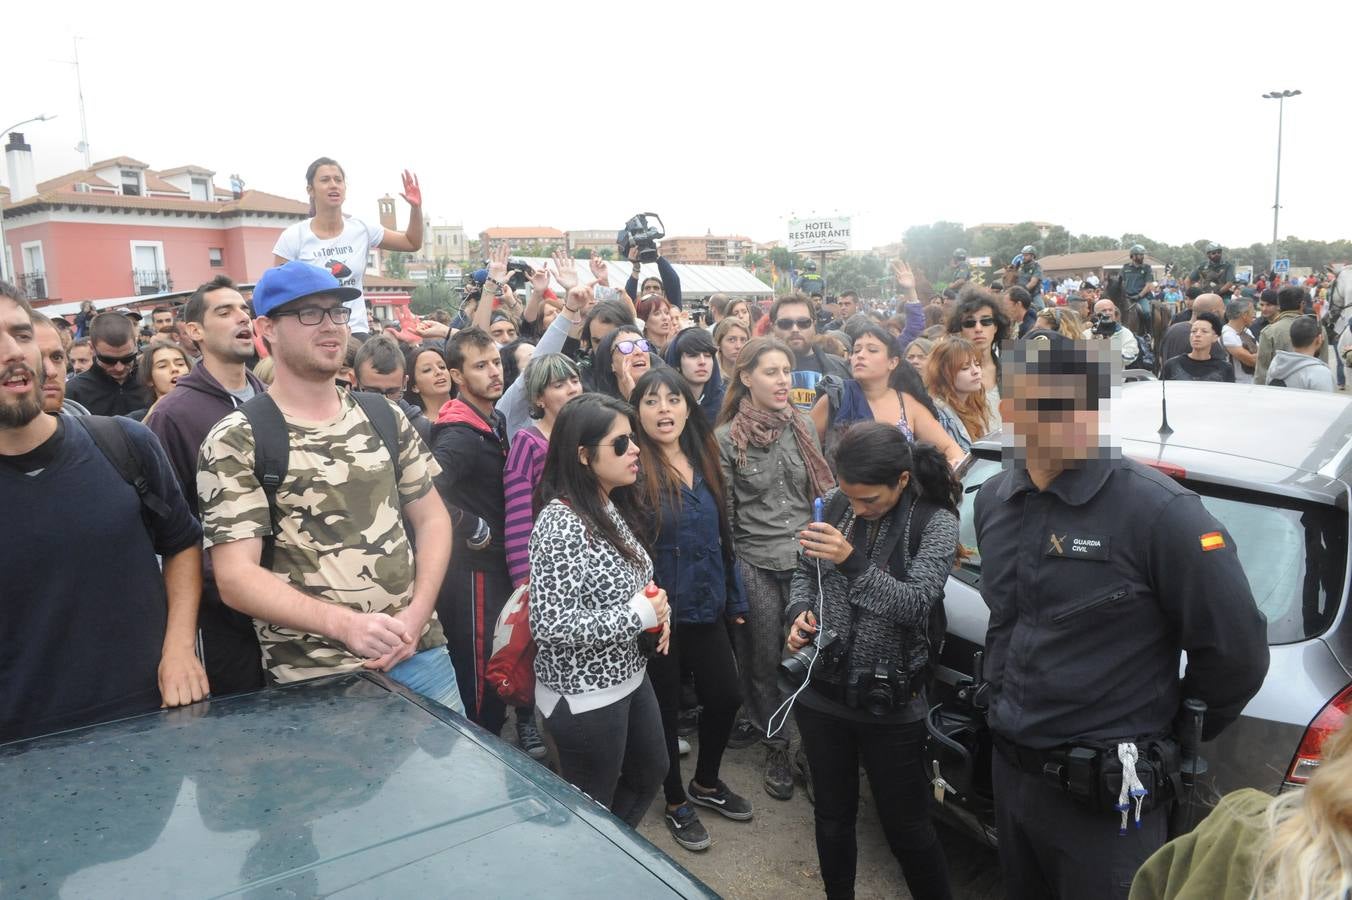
x,y
722,116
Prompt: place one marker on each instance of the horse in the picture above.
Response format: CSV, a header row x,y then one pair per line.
x,y
1339,312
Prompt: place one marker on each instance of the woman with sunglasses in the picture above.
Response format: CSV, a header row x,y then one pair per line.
x,y
161,365
953,376
884,389
592,596
429,381
773,468
977,317
621,359
682,487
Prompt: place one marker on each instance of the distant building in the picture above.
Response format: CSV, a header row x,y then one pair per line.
x,y
120,228
1043,228
594,239
1102,263
520,240
708,250
444,242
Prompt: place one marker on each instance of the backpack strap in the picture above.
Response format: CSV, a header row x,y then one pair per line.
x,y
381,414
272,453
112,441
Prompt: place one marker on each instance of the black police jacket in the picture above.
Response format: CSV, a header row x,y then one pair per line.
x,y
1095,586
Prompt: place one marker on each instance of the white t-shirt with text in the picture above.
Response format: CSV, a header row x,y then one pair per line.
x,y
299,242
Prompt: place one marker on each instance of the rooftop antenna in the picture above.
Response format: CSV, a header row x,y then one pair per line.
x,y
1164,429
83,146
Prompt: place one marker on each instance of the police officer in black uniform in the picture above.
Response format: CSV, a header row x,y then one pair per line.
x,y
1098,572
1137,278
1216,275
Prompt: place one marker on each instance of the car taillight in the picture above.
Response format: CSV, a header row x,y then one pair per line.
x,y
1169,469
1329,720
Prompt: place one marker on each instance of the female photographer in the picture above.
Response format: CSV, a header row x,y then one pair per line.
x,y
682,486
590,601
882,555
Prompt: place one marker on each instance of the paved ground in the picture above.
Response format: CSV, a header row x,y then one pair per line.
x,y
774,855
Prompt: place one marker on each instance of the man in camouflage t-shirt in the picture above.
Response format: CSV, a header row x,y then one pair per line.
x,y
346,590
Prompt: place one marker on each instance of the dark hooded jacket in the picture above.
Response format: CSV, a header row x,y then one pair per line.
x,y
184,416
472,452
714,388
96,391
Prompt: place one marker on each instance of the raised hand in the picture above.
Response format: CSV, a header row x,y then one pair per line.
x,y
412,191
565,270
539,280
599,270
497,261
905,277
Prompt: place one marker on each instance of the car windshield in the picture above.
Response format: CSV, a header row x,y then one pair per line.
x,y
1293,553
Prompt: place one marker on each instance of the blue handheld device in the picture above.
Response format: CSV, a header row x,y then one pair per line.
x,y
818,507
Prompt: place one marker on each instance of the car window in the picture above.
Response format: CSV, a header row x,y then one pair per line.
x,y
969,569
1294,555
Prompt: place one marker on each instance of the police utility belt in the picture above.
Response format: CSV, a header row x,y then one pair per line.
x,y
1092,773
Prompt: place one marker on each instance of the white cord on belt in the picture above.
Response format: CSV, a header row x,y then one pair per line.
x,y
1133,792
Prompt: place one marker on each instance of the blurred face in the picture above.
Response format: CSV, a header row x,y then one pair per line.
x,y
1106,308
391,384
557,393
795,326
1201,337
979,326
117,360
81,358
167,366
1049,418
739,310
870,360
523,353
503,332
547,315
599,331
20,367
1214,256
731,345
1089,293
873,501
1138,258
628,344
313,352
697,368
917,357
613,459
329,188
660,321
848,306
967,380
53,368
481,377
1269,310
226,331
768,383
431,378
162,321
662,415
652,286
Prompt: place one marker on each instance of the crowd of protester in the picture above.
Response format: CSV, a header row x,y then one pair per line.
x,y
667,492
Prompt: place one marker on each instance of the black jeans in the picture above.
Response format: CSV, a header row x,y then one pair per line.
x,y
614,754
468,607
230,652
706,651
893,758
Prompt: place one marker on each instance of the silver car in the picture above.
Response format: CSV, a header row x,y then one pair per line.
x,y
1274,466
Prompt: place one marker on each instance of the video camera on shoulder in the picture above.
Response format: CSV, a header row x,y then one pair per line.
x,y
1104,325
637,232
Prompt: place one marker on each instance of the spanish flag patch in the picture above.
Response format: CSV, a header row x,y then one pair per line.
x,y
1213,540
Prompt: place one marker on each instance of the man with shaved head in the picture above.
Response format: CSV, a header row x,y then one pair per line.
x,y
1175,340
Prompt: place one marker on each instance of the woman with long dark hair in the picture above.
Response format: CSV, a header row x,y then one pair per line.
x,y
429,381
884,388
161,365
592,595
682,488
622,357
881,557
693,354
773,468
977,316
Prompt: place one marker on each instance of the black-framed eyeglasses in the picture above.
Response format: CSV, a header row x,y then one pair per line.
x,y
803,324
627,347
621,444
984,322
313,315
107,360
394,393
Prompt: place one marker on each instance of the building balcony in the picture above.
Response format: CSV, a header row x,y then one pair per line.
x,y
34,286
151,281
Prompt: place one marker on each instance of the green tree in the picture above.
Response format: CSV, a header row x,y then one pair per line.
x,y
930,247
396,264
432,296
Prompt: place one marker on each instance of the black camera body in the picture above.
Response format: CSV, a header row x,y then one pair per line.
x,y
873,689
826,644
1104,325
637,232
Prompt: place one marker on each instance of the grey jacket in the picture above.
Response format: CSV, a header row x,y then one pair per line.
x,y
1300,371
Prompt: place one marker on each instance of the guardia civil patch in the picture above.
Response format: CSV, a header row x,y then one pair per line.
x,y
1213,540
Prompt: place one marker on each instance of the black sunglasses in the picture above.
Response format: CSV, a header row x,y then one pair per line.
x,y
116,360
803,324
627,347
984,322
313,315
621,444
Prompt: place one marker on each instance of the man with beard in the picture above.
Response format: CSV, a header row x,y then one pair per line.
x,y
1216,275
794,324
1137,277
469,442
112,636
54,358
162,320
110,387
217,319
353,593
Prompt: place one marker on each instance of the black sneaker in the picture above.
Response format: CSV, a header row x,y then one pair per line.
x,y
687,721
744,734
528,739
778,778
805,775
686,828
724,800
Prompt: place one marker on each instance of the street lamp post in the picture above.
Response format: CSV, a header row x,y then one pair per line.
x,y
4,248
1280,97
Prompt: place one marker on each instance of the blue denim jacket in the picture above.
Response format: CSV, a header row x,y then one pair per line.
x,y
688,560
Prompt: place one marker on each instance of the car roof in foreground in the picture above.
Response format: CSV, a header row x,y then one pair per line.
x,y
339,784
1287,440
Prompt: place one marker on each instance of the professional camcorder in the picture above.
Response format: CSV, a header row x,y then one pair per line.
x,y
1104,325
638,233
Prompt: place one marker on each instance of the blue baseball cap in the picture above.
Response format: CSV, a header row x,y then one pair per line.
x,y
293,281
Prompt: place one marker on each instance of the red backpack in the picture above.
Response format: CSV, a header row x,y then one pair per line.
x,y
511,666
